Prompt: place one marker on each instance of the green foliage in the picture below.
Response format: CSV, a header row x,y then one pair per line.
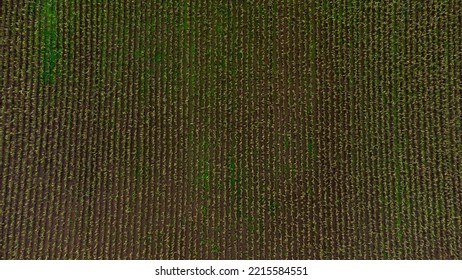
x,y
49,40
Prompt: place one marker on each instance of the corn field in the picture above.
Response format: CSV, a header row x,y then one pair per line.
x,y
231,129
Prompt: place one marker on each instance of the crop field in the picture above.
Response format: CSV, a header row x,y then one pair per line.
x,y
230,129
